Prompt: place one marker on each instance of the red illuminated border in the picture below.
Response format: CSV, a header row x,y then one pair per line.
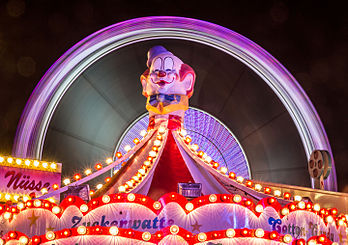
x,y
159,235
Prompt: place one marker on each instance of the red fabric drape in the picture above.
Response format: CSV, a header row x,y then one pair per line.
x,y
171,170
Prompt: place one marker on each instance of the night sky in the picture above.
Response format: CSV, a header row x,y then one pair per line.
x,y
310,38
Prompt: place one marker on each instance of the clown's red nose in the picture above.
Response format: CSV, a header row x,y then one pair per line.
x,y
161,73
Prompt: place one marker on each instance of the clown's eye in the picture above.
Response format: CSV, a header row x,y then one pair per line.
x,y
168,64
156,65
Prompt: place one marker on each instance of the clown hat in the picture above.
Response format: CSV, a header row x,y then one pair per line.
x,y
154,51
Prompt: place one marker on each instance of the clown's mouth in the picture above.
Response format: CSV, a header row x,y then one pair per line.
x,y
162,83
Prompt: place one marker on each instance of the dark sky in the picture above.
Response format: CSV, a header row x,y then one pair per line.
x,y
310,38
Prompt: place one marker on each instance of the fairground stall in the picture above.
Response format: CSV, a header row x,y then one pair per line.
x,y
207,138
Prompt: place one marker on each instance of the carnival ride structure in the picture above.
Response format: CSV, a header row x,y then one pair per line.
x,y
138,203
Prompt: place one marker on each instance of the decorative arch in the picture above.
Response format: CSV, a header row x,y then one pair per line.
x,y
40,107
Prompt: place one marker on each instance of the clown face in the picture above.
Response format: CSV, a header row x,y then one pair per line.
x,y
164,76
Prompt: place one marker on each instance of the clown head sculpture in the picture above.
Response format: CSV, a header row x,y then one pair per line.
x,y
167,84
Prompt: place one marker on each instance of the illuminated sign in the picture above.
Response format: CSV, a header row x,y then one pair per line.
x,y
21,177
142,214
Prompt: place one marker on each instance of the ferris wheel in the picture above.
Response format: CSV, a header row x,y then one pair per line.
x,y
90,97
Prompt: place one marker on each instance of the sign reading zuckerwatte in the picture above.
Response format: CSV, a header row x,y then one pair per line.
x,y
217,216
25,180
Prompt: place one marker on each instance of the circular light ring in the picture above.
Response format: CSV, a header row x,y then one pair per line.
x,y
157,205
7,215
39,109
23,240
259,233
106,199
146,236
131,197
114,230
37,203
84,208
237,198
202,237
50,235
189,206
259,208
212,198
287,238
56,210
174,229
230,233
82,230
285,211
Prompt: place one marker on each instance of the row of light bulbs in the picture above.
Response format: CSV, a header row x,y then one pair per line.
x,y
13,197
131,197
147,165
98,166
35,164
189,206
248,183
146,236
10,212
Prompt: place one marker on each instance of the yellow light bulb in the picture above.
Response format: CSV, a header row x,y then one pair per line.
x,y
7,196
182,132
109,160
121,188
202,237
16,197
82,230
259,233
230,233
84,208
174,229
297,198
259,208
240,179
56,210
316,207
277,193
162,130
66,181
258,187
113,230
127,148
146,236
27,163
143,133
189,206
223,170
106,199
88,171
195,147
